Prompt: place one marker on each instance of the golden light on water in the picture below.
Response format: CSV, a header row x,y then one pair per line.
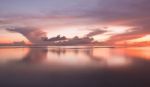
x,y
10,54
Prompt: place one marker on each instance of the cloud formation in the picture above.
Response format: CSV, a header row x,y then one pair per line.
x,y
57,38
65,13
32,34
39,37
135,33
79,41
95,32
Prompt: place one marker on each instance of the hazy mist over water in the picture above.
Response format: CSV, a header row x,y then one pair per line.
x,y
74,66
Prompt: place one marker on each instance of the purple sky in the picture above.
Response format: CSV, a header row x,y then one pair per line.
x,y
77,18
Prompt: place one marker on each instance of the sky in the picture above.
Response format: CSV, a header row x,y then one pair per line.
x,y
104,20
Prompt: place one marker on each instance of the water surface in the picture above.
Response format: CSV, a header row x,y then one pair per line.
x,y
74,66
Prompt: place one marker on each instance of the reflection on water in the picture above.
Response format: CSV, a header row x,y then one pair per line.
x,y
98,62
98,57
12,54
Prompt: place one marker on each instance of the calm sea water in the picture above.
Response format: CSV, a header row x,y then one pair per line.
x,y
74,67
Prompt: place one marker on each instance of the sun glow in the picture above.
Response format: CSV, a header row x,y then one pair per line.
x,y
145,38
68,32
118,29
7,37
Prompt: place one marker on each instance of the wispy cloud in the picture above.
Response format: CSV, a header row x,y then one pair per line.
x,y
130,35
95,32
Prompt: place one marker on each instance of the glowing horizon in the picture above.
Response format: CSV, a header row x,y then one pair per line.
x,y
82,18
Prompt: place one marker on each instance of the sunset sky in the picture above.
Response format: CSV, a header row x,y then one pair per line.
x,y
104,20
